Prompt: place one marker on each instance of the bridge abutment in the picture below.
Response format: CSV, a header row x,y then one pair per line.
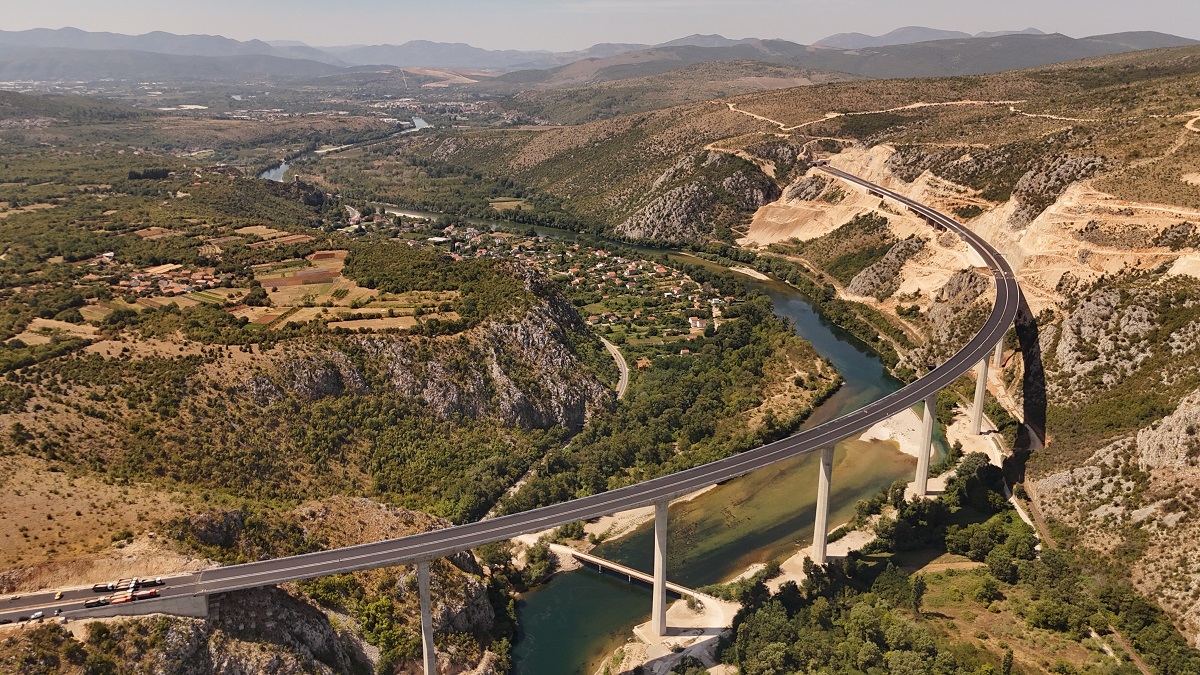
x,y
821,526
658,608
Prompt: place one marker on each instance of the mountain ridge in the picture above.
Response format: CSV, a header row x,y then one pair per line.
x,y
910,35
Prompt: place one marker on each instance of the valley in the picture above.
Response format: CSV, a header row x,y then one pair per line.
x,y
572,285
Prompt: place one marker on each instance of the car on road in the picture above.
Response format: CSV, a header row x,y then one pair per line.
x,y
58,595
36,616
4,621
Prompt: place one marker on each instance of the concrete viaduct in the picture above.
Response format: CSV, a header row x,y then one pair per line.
x,y
187,594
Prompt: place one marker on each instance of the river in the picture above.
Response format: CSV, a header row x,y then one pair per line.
x,y
277,172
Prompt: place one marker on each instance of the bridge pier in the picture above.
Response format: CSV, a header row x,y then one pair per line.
x,y
980,395
925,449
658,609
821,526
429,655
998,355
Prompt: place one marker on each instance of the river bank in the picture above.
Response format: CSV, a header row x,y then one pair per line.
x,y
714,536
696,630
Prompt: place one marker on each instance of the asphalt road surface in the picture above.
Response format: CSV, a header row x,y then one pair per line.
x,y
623,384
440,543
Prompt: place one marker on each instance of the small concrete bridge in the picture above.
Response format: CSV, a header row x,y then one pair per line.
x,y
602,565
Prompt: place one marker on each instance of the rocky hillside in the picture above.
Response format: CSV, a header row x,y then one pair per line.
x,y
1135,498
399,417
700,197
351,623
524,373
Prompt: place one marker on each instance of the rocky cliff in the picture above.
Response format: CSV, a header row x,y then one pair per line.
x,y
699,197
526,371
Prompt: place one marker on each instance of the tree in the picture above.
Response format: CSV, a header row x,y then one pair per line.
x,y
1000,564
918,593
1006,666
257,297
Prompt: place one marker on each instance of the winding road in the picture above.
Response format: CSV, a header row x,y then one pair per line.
x,y
439,543
623,384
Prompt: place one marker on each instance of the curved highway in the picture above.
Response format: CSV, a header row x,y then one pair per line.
x,y
440,543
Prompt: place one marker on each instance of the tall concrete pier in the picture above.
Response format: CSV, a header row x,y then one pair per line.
x,y
658,610
821,526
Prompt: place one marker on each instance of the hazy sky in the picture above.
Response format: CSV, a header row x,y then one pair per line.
x,y
573,24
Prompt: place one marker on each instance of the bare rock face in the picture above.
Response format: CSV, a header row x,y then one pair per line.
x,y
882,279
523,370
1175,441
697,195
1042,185
958,312
524,373
807,189
249,632
679,214
322,376
1148,478
301,633
298,190
1117,327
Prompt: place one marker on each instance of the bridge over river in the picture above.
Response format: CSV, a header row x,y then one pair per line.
x,y
187,594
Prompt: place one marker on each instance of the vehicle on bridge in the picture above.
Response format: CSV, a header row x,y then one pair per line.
x,y
121,598
118,585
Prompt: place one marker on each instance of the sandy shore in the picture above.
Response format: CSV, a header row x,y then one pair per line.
x,y
750,273
904,430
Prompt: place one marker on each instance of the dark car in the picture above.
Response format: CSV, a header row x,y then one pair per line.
x,y
4,621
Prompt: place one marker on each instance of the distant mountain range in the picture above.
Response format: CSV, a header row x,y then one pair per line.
x,y
970,56
72,54
909,35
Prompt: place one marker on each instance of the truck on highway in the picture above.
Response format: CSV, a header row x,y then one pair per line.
x,y
121,598
118,585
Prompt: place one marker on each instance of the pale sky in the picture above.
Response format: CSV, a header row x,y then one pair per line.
x,y
575,24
